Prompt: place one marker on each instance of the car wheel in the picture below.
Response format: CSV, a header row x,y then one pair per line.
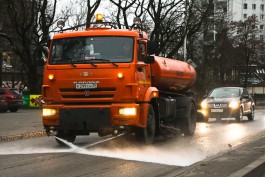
x,y
239,117
147,134
3,110
251,115
13,109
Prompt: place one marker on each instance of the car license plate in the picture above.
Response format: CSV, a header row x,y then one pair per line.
x,y
217,110
85,85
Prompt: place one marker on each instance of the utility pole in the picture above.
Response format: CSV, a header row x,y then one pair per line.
x,y
186,31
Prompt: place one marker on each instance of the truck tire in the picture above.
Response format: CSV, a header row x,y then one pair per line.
x,y
189,123
147,135
70,137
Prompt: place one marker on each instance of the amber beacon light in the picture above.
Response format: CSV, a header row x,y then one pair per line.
x,y
99,17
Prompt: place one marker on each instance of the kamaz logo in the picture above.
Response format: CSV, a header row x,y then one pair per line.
x,y
86,93
85,74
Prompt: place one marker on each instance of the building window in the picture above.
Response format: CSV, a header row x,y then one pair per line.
x,y
245,15
254,6
262,17
261,27
262,7
261,37
245,6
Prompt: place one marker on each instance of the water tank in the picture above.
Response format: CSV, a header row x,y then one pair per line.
x,y
172,75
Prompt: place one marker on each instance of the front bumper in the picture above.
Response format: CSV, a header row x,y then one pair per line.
x,y
222,113
92,118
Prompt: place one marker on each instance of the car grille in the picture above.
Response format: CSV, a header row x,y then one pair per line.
x,y
218,105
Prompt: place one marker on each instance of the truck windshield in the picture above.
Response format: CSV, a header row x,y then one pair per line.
x,y
92,50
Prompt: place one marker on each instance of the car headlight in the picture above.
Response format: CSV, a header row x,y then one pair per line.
x,y
127,111
234,104
48,112
204,104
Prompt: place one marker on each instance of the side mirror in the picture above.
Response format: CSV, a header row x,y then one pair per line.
x,y
149,59
151,48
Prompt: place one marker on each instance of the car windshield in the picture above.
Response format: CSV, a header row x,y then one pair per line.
x,y
92,50
225,93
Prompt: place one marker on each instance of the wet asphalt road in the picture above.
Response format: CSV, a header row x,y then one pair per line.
x,y
122,156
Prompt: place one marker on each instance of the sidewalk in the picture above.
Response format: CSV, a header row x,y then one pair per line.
x,y
15,127
246,160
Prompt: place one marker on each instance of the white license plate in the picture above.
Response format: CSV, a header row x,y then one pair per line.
x,y
217,110
86,85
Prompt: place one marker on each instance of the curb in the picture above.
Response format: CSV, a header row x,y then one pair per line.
x,y
22,136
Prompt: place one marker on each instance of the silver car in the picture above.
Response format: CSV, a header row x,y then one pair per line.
x,y
228,102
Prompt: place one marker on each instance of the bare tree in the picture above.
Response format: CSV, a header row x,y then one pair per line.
x,y
245,38
91,9
74,14
169,22
31,21
122,12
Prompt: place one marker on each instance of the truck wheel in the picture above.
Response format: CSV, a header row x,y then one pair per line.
x,y
70,137
147,134
189,125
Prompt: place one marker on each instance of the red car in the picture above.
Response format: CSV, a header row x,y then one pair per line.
x,y
10,99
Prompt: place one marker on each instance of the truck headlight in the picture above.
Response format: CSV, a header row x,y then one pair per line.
x,y
234,104
48,112
204,104
127,111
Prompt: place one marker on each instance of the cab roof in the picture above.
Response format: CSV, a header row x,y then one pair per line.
x,y
100,32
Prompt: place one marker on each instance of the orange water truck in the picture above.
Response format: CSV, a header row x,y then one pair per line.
x,y
103,80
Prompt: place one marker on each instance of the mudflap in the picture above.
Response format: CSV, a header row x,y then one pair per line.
x,y
83,120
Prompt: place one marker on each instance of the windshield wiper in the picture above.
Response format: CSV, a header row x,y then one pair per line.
x,y
102,59
69,60
73,64
86,61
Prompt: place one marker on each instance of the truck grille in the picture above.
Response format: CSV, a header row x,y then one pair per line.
x,y
97,93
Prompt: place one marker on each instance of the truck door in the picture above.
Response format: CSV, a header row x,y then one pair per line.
x,y
143,75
